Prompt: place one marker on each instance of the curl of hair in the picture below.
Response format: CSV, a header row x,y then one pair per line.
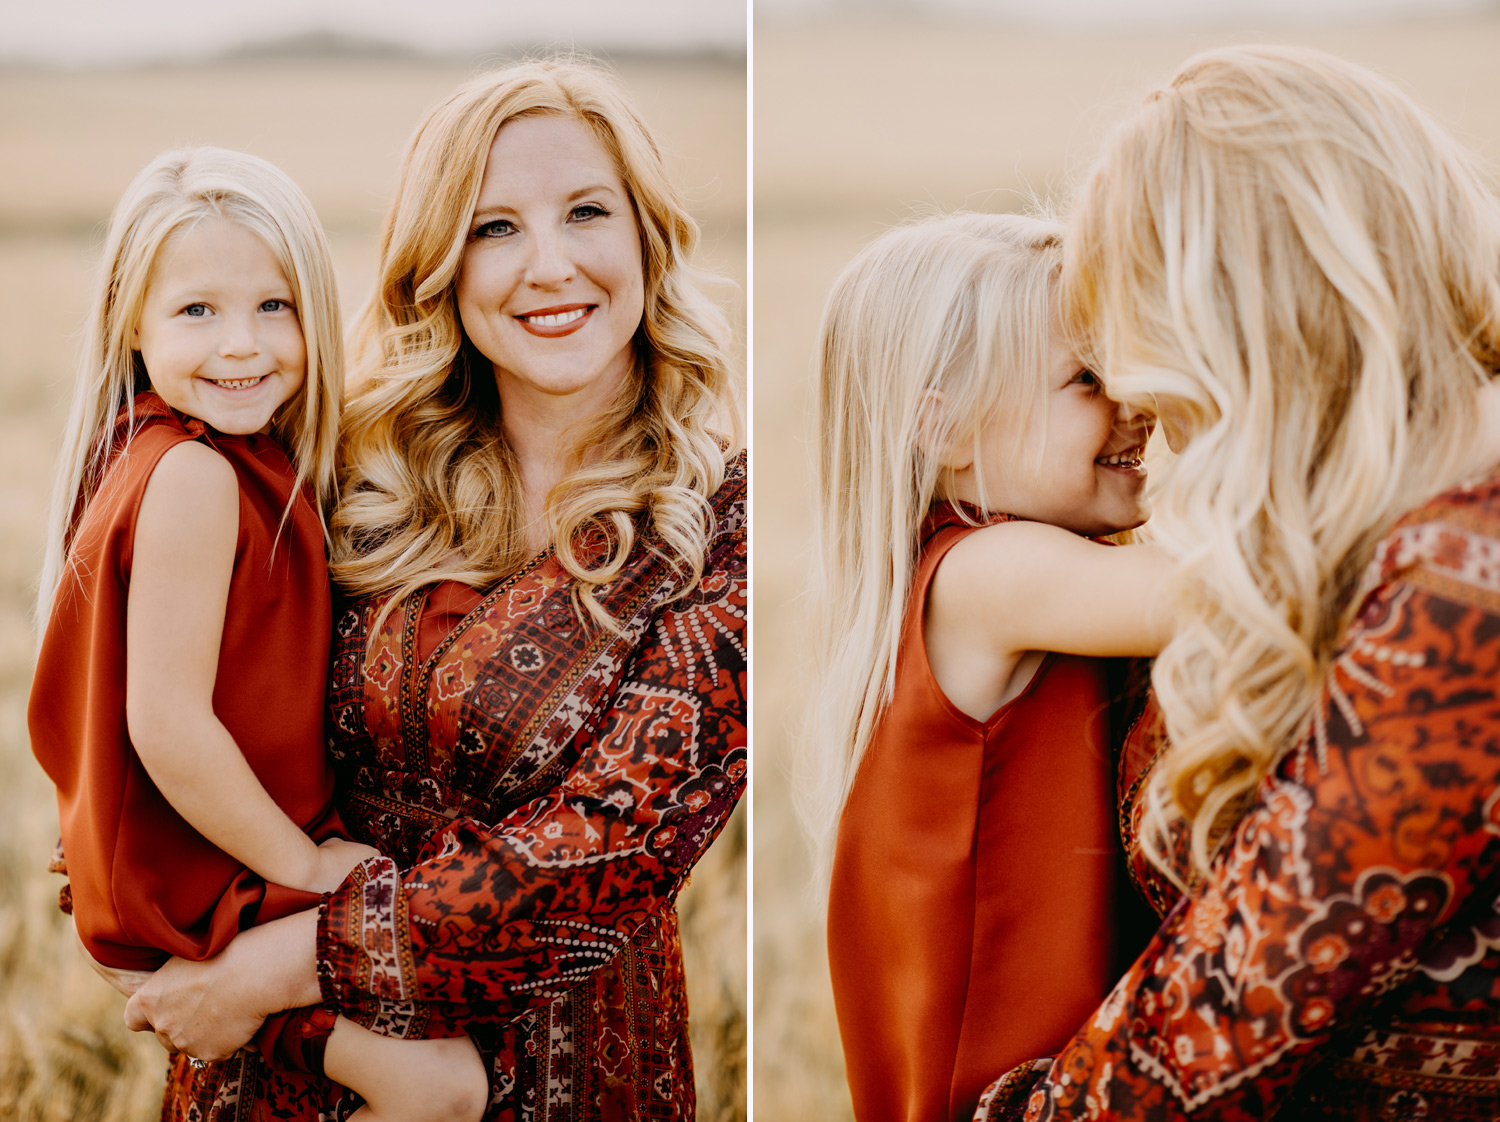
x,y
430,490
174,192
1301,272
934,330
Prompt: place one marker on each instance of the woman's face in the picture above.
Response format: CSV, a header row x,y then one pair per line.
x,y
551,288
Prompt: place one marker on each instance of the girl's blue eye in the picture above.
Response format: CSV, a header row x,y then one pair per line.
x,y
1087,377
197,311
274,306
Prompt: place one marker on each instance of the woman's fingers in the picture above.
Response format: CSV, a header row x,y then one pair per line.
x,y
136,1017
194,1007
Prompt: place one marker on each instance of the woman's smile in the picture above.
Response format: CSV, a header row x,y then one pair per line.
x,y
554,323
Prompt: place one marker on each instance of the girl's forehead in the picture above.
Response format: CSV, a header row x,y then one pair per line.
x,y
212,245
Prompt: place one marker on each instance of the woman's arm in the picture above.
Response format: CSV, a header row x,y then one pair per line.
x,y
185,539
1371,835
506,915
210,1009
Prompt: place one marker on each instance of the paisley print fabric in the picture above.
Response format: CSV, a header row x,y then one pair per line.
x,y
541,788
1342,958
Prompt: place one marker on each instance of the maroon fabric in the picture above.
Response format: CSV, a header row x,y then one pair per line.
x,y
970,911
543,787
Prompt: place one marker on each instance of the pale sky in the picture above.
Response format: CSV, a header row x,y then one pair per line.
x,y
85,32
1133,13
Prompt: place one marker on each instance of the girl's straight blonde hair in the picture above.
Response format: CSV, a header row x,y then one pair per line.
x,y
430,490
1301,272
936,328
175,191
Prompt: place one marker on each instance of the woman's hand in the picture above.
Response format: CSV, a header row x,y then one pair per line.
x,y
211,1009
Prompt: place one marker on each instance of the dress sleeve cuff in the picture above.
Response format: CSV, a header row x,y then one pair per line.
x,y
1005,1100
364,943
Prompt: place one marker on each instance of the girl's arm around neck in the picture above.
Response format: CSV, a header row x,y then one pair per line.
x,y
1026,586
185,539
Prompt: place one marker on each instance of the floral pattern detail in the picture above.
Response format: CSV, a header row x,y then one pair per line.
x,y
1353,918
528,894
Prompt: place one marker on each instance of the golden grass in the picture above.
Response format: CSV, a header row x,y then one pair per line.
x,y
69,143
856,125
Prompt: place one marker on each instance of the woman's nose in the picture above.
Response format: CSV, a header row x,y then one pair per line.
x,y
550,265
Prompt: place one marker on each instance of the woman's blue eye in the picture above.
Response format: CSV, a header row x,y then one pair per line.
x,y
1086,377
589,210
499,228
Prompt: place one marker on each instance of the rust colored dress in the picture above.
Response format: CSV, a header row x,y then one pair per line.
x,y
1341,959
144,884
970,918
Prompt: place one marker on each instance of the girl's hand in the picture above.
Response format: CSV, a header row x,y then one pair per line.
x,y
211,1009
336,859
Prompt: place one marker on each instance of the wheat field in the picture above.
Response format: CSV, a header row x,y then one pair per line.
x,y
69,144
859,124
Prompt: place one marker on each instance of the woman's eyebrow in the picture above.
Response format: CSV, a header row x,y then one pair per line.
x,y
593,189
496,209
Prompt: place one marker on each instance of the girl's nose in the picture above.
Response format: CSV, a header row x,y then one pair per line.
x,y
550,264
240,337
1130,414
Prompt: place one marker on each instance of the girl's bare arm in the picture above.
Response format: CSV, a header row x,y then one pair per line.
x,y
1021,587
179,586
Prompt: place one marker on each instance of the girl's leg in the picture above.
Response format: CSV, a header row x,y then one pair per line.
x,y
408,1080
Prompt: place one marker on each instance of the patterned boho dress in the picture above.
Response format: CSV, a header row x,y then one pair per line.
x,y
541,789
1341,960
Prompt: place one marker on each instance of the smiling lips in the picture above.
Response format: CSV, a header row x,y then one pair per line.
x,y
238,383
1129,459
553,323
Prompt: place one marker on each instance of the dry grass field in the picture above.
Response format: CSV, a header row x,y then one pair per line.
x,y
856,126
69,143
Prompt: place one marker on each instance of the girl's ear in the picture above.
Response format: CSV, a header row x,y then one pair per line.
x,y
953,451
135,337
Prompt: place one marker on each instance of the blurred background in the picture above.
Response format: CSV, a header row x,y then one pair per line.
x,y
90,90
866,112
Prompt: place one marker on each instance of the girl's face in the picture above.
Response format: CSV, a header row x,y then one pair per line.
x,y
551,288
219,334
1079,465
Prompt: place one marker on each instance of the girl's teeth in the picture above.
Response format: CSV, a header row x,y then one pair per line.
x,y
555,320
235,383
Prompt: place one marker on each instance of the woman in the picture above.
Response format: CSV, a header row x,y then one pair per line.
x,y
537,694
1302,272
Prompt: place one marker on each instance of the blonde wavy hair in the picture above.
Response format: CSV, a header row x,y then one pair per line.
x,y
931,332
174,192
1300,272
430,490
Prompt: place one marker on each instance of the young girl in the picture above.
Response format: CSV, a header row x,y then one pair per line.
x,y
179,693
968,458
